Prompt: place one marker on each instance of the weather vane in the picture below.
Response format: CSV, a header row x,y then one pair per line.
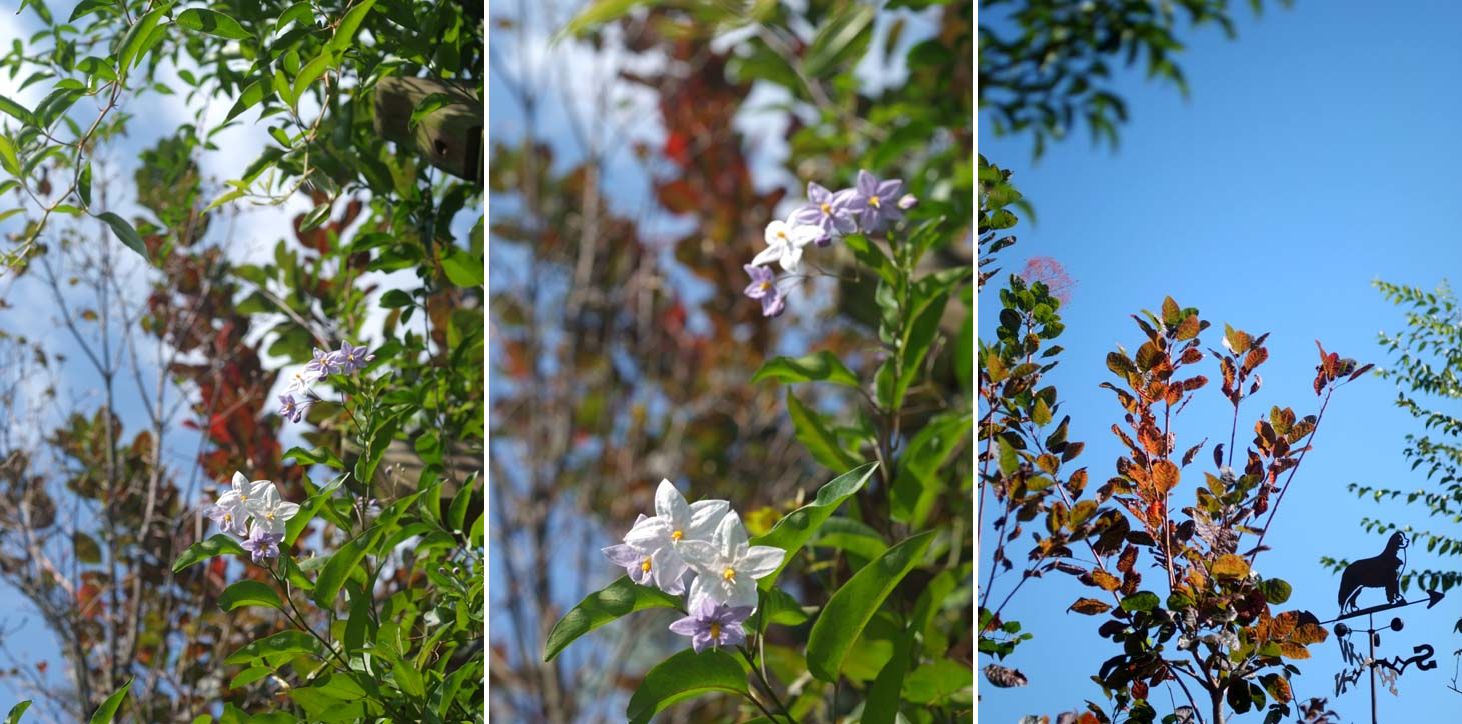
x,y
1382,571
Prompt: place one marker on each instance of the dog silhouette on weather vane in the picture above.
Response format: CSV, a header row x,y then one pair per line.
x,y
1382,571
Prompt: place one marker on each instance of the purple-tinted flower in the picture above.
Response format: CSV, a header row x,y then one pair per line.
x,y
763,286
352,358
908,201
323,365
876,202
713,624
262,544
230,518
831,212
292,409
637,563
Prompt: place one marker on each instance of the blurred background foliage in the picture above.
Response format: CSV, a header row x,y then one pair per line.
x,y
622,348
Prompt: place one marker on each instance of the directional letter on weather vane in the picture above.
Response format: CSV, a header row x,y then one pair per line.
x,y
1382,571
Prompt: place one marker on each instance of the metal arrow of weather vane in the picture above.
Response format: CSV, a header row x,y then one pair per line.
x,y
1382,571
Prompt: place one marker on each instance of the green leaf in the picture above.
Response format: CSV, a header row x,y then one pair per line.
x,y
311,73
851,607
248,592
815,436
841,41
252,96
125,233
16,712
618,599
599,13
918,482
212,22
300,12
935,682
1276,591
345,34
249,676
883,696
684,676
108,710
17,111
86,7
8,160
83,183
1140,601
341,564
779,608
823,366
851,536
462,268
796,528
284,642
136,38
219,544
865,251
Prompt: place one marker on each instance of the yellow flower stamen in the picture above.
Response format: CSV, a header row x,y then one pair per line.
x,y
827,209
729,574
873,200
645,566
715,631
677,535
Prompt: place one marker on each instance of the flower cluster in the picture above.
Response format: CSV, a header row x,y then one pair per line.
x,y
344,361
254,511
869,207
705,541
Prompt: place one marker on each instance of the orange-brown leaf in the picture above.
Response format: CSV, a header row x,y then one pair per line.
x,y
1090,606
1105,581
1165,476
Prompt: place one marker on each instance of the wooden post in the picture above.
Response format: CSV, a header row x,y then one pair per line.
x,y
450,137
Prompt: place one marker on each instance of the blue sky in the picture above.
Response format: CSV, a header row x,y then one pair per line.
x,y
1315,154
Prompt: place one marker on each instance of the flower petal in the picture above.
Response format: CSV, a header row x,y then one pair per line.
x,y
760,561
622,555
768,255
791,259
742,592
816,192
733,635
240,482
774,232
704,516
677,511
700,555
687,626
649,534
890,190
704,589
867,184
730,535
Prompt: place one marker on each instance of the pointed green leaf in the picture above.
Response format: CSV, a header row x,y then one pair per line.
x,y
17,711
219,544
284,642
618,599
125,233
823,366
793,531
851,607
213,23
686,675
108,710
248,592
814,435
